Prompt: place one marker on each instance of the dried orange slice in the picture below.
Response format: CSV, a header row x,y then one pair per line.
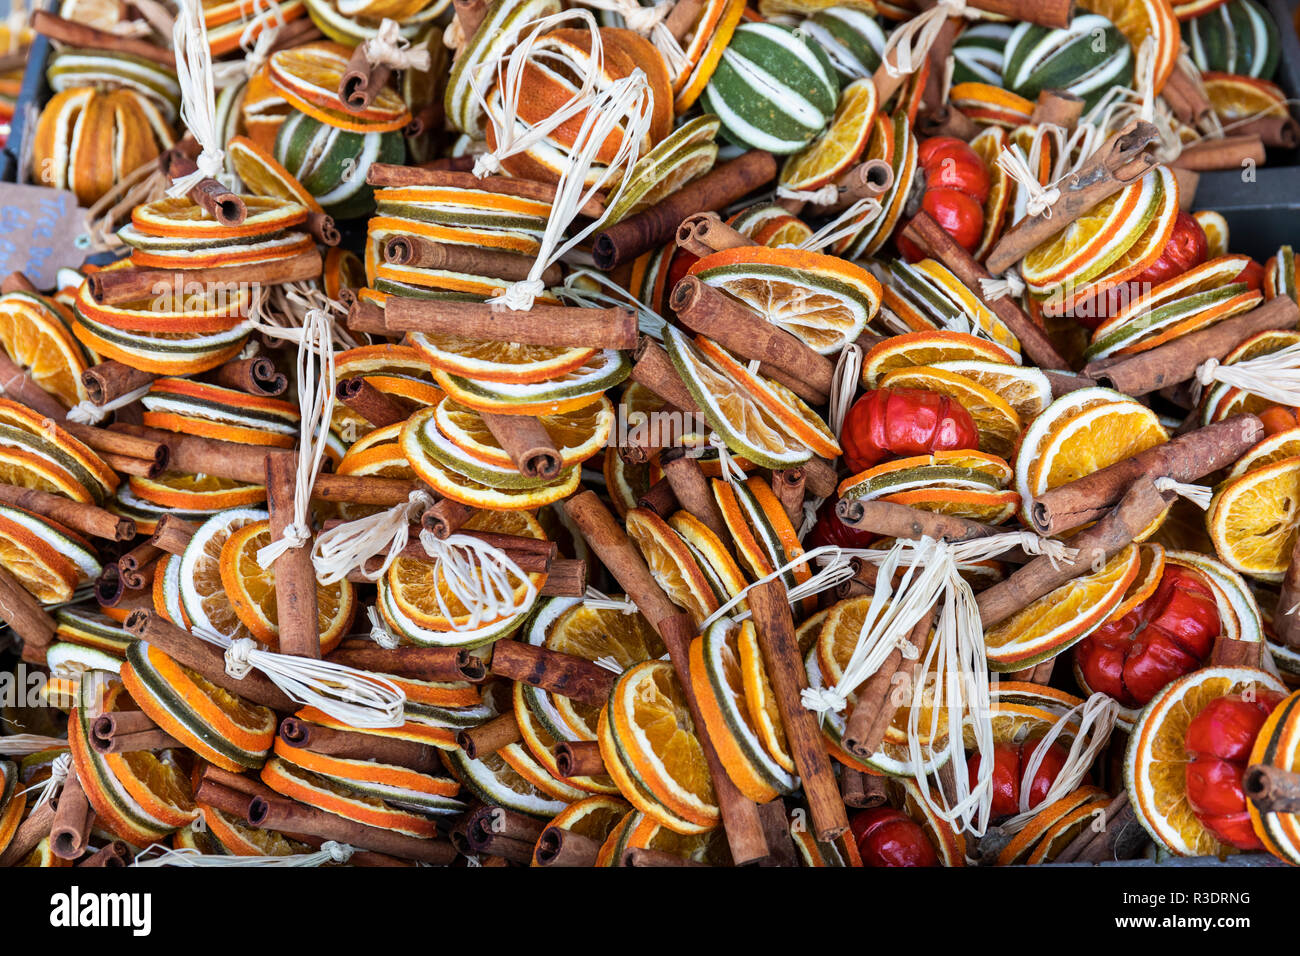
x,y
351,804
250,588
1063,617
185,219
840,145
311,73
671,564
35,335
1155,763
929,348
1253,519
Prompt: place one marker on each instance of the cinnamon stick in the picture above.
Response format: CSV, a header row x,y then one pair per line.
x,y
362,80
487,738
776,830
1231,152
552,325
73,816
115,854
869,179
79,516
126,465
16,384
1177,361
469,15
616,551
121,722
715,314
295,576
1234,652
206,659
579,758
654,369
377,407
29,833
740,816
212,195
553,671
788,486
24,614
862,790
119,443
287,816
683,472
85,37
242,783
660,499
681,18
444,518
1058,107
931,237
1280,132
1186,98
1286,617
877,699
1141,504
1272,789
352,745
116,743
566,578
172,534
256,376
1124,158
645,856
559,847
704,233
1094,830
387,175
1122,834
892,520
1186,458
323,229
819,476
946,120
501,832
527,442
471,260
436,664
136,565
653,227
110,380
117,286
366,316
775,628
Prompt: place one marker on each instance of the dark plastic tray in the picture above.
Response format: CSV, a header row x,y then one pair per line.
x,y
1262,211
33,95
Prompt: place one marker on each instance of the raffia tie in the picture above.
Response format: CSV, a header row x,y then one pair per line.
x,y
198,96
1274,376
389,48
1040,198
907,47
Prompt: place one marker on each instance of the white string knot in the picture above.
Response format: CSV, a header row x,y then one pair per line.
x,y
238,657
380,632
315,407
258,37
87,412
198,95
486,164
338,852
350,545
1055,551
823,196
389,48
907,46
354,697
60,768
1274,376
823,700
481,577
519,296
1199,495
1039,200
999,287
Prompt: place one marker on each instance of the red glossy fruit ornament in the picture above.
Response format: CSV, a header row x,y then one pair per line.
x,y
956,184
1168,635
888,837
1218,741
894,423
1009,764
